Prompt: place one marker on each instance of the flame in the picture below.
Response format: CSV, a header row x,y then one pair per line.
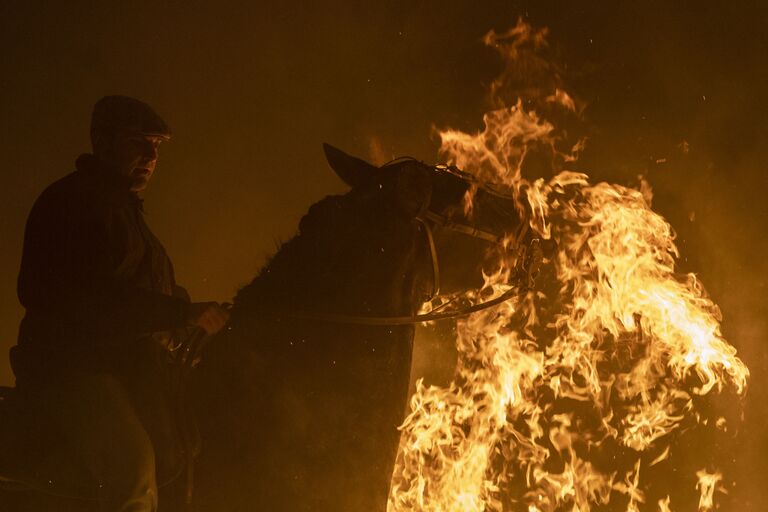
x,y
631,342
707,485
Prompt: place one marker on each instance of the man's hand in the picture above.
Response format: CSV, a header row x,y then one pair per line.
x,y
209,316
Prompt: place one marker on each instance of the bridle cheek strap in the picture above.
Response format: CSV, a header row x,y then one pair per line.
x,y
433,257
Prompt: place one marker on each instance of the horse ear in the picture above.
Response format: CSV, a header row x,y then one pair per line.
x,y
354,171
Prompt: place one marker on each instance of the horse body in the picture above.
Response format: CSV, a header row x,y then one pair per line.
x,y
318,404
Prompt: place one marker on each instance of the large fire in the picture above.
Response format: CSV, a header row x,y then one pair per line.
x,y
564,398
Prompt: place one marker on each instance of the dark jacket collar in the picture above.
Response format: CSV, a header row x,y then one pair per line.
x,y
114,185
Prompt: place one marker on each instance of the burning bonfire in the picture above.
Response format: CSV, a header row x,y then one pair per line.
x,y
568,397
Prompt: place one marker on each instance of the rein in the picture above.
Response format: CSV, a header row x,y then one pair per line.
x,y
527,263
414,319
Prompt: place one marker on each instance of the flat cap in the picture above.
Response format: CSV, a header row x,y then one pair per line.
x,y
112,114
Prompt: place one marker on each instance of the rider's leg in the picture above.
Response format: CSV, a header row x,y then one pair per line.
x,y
143,371
97,418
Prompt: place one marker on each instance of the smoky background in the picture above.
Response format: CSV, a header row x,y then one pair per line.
x,y
675,92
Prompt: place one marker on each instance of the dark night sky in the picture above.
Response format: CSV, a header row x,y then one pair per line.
x,y
252,90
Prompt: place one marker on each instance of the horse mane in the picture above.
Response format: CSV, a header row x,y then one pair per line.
x,y
348,249
288,267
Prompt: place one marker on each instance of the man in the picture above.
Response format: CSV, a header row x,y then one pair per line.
x,y
101,306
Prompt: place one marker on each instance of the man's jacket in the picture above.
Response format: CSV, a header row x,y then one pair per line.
x,y
93,278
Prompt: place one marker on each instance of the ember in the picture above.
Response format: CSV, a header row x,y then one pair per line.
x,y
564,399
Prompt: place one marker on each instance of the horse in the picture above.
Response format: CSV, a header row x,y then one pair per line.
x,y
298,401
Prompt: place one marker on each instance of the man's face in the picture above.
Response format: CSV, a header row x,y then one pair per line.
x,y
134,156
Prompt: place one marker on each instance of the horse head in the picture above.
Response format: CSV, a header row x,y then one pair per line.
x,y
374,250
466,219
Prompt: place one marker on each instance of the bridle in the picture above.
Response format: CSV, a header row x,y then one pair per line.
x,y
524,274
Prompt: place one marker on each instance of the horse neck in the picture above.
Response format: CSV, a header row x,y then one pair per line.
x,y
342,261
